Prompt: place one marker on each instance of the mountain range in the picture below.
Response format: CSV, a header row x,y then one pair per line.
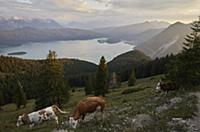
x,y
16,23
135,33
169,41
18,31
155,38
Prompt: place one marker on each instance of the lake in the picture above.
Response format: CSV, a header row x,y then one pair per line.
x,y
89,50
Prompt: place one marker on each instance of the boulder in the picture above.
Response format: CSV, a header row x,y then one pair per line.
x,y
141,120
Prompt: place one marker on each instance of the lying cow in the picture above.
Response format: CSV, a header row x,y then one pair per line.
x,y
165,87
85,106
40,116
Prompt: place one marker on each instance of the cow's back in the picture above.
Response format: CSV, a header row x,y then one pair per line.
x,y
167,86
95,98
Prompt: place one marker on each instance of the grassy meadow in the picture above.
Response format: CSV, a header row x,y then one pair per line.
x,y
123,105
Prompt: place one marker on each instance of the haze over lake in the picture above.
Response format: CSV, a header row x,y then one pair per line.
x,y
89,50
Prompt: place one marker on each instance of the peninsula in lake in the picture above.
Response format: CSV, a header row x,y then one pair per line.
x,y
17,53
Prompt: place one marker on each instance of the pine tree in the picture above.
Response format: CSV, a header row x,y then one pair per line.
x,y
52,85
192,40
88,86
101,87
19,97
186,69
132,79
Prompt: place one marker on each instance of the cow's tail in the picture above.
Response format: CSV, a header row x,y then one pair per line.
x,y
59,110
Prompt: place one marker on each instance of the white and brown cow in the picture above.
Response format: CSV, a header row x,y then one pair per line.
x,y
39,116
85,106
165,86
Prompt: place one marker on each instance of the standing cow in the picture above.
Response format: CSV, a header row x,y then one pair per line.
x,y
85,106
165,86
39,116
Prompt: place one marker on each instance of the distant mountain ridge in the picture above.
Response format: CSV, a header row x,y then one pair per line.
x,y
16,23
16,31
167,42
132,32
26,35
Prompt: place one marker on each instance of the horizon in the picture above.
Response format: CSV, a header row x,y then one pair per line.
x,y
102,13
119,25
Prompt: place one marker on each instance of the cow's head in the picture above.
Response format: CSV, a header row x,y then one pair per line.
x,y
73,123
22,119
158,87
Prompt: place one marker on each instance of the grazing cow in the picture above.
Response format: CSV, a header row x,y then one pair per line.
x,y
39,116
166,87
88,105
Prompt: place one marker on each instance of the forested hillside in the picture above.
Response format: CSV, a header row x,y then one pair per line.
x,y
28,72
138,61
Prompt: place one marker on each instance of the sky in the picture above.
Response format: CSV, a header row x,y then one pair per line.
x,y
102,13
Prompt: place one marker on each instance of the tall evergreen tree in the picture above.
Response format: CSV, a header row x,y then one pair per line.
x,y
192,40
101,87
52,84
89,86
186,69
132,79
19,97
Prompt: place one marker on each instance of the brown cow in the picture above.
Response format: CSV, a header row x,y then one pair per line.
x,y
85,106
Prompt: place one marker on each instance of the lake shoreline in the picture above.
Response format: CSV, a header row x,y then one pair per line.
x,y
88,50
17,53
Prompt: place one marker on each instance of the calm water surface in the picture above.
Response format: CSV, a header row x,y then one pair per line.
x,y
89,50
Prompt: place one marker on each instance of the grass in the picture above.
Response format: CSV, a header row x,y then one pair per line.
x,y
120,110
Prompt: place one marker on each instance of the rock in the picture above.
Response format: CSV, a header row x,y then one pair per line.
x,y
177,122
162,108
175,100
167,106
60,130
141,120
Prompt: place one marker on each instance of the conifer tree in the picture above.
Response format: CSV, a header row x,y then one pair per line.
x,y
52,84
186,69
192,40
19,97
132,79
101,87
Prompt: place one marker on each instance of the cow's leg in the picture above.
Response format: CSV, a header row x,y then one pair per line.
x,y
167,91
102,110
102,107
83,116
31,125
56,119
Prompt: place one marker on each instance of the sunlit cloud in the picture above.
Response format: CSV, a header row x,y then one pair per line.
x,y
103,12
25,1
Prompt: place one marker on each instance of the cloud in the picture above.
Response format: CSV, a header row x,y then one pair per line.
x,y
153,4
24,1
103,12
